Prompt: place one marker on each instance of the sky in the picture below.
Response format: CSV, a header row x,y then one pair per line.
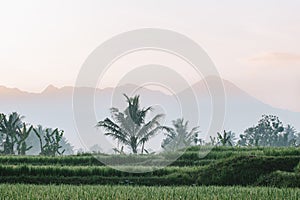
x,y
254,44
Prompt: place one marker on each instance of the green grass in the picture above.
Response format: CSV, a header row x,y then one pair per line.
x,y
237,170
223,166
190,158
58,192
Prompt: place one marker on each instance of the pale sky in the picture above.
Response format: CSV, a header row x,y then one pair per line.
x,y
254,44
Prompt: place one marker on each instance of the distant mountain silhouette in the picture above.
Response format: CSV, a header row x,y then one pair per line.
x,y
53,108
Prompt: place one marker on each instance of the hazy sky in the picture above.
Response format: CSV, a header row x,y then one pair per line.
x,y
255,44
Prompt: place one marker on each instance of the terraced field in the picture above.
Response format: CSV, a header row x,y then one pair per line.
x,y
223,166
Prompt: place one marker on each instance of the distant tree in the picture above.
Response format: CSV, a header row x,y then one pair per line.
x,y
80,151
96,148
226,139
49,141
288,137
66,146
179,137
129,127
265,133
34,141
242,141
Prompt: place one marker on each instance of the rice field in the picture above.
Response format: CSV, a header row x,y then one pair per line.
x,y
225,173
21,191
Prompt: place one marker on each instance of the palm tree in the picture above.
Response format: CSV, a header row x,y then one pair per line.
x,y
226,139
10,127
129,127
180,137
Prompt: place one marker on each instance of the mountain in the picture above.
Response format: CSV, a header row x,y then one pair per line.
x,y
55,107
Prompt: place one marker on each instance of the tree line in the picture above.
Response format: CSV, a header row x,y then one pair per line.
x,y
130,129
18,137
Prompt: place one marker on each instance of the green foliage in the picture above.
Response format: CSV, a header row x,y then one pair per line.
x,y
288,138
189,158
280,179
297,169
16,135
21,143
60,192
268,132
52,139
222,166
9,128
227,139
244,170
179,137
34,141
129,127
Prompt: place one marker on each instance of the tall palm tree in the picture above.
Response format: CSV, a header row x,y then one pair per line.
x,y
226,139
129,127
179,137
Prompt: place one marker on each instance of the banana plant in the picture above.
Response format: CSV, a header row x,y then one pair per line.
x,y
23,134
180,137
9,128
49,141
226,139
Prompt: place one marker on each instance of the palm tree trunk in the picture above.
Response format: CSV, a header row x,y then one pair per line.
x,y
143,147
134,150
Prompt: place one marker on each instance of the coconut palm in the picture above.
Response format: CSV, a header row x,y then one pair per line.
x,y
129,127
226,139
180,137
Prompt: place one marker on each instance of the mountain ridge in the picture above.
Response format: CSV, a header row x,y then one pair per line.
x,y
231,88
53,107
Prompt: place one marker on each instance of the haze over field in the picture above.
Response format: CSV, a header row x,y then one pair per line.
x,y
53,108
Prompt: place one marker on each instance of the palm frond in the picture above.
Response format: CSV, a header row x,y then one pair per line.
x,y
113,130
150,134
154,122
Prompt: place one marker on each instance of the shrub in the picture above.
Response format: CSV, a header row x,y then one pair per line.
x,y
244,170
279,179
